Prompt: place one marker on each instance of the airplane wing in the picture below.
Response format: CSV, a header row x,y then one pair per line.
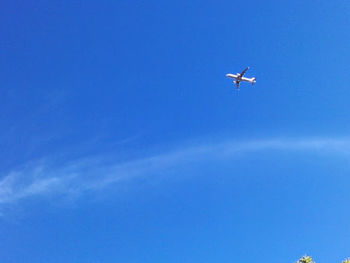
x,y
244,71
237,84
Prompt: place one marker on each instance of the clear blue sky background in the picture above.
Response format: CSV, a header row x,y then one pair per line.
x,y
121,139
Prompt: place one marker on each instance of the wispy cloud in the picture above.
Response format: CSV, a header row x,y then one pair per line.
x,y
45,178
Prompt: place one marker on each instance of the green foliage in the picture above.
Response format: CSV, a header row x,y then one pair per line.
x,y
307,259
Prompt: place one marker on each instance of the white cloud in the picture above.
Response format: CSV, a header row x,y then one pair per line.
x,y
92,174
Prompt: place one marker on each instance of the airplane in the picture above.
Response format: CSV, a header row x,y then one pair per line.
x,y
239,77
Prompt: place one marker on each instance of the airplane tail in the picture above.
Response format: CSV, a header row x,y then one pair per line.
x,y
253,81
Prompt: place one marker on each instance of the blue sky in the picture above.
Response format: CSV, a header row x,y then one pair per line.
x,y
121,139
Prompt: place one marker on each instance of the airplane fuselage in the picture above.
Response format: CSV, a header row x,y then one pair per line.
x,y
239,78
